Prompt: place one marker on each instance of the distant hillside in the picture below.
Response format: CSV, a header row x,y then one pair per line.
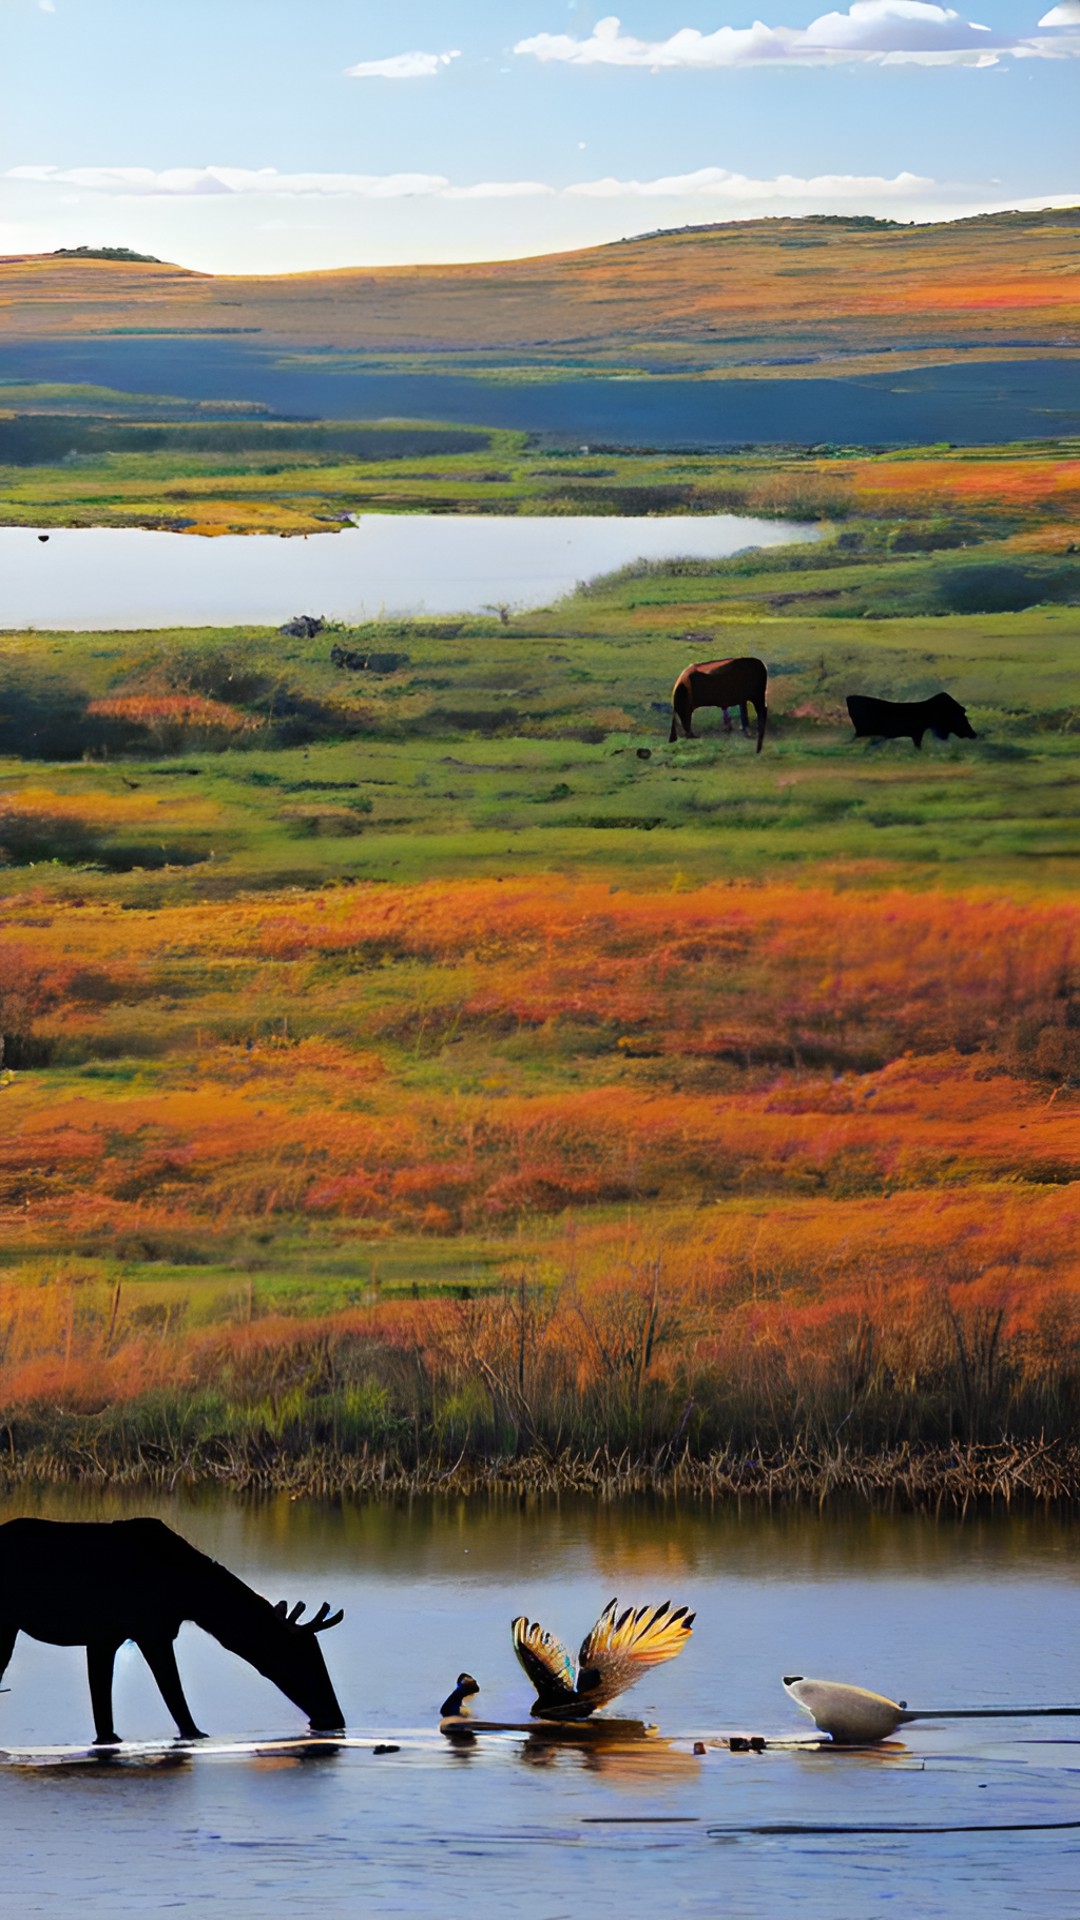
x,y
795,292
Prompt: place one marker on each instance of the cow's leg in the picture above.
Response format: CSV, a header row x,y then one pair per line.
x,y
100,1655
681,709
727,719
161,1660
762,720
744,719
8,1637
916,740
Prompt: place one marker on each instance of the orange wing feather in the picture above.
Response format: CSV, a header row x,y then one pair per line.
x,y
621,1646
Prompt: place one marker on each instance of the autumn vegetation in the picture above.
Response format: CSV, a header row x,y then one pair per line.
x,y
425,1075
829,291
747,1184
57,468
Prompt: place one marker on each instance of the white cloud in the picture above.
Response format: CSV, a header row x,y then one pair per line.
x,y
716,183
202,182
403,66
726,189
499,190
136,183
709,193
878,32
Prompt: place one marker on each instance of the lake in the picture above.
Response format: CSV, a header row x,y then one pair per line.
x,y
974,403
385,565
937,1612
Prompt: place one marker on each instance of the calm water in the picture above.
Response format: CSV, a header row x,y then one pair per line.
x,y
937,1613
973,403
388,564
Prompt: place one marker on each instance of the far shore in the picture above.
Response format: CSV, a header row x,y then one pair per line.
x,y
940,1480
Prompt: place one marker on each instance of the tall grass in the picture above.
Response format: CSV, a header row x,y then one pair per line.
x,y
625,1373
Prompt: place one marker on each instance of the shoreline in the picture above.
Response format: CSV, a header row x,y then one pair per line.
x,y
908,1478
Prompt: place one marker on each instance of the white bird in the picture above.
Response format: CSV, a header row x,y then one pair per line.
x,y
851,1715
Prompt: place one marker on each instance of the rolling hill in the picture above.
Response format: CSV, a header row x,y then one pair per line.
x,y
812,292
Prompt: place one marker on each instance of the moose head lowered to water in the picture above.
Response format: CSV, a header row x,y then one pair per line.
x,y
98,1583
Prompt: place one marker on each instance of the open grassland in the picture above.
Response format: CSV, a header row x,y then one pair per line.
x,y
425,1072
251,476
198,765
823,291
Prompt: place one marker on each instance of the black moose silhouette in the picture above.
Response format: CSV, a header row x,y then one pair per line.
x,y
97,1583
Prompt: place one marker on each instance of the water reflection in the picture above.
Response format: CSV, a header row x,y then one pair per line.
x,y
647,1539
958,1614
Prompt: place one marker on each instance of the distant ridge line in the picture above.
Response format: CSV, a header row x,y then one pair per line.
x,y
683,300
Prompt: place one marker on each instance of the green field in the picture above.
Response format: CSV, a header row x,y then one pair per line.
x,y
542,741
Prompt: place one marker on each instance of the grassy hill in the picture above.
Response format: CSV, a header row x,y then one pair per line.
x,y
811,291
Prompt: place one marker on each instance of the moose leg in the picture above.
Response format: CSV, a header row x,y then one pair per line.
x,y
161,1660
100,1655
8,1637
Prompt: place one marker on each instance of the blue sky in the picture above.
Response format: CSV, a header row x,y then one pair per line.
x,y
281,135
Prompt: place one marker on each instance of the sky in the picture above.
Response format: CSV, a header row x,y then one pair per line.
x,y
278,136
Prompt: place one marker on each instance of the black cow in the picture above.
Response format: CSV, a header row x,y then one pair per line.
x,y
908,719
97,1583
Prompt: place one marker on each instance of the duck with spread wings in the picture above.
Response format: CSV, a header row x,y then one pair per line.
x,y
612,1657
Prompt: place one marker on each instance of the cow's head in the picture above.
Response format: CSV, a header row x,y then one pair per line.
x,y
948,716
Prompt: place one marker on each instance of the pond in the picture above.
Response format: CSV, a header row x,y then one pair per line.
x,y
937,1612
386,565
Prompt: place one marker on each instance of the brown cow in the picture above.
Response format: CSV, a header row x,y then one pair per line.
x,y
720,683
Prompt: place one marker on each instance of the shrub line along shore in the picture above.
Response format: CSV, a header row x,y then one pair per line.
x,y
939,1480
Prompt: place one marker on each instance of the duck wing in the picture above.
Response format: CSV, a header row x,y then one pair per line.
x,y
546,1661
622,1645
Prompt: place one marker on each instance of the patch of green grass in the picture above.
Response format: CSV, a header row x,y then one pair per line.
x,y
521,745
244,474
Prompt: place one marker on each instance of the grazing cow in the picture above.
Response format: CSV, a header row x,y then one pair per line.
x,y
908,719
720,683
97,1583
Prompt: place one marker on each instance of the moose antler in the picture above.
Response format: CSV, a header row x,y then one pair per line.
x,y
319,1622
324,1619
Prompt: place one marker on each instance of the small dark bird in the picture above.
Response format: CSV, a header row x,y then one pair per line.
x,y
43,537
453,1705
133,784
